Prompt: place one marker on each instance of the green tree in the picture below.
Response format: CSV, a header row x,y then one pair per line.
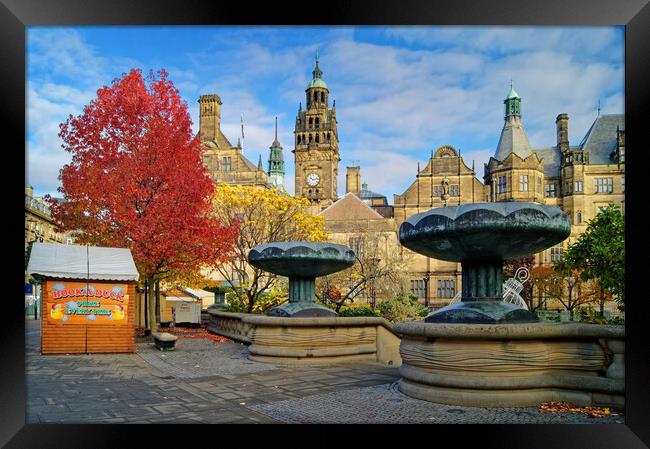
x,y
599,254
402,308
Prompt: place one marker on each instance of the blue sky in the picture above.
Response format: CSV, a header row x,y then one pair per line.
x,y
400,92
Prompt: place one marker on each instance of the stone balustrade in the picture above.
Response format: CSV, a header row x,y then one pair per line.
x,y
310,340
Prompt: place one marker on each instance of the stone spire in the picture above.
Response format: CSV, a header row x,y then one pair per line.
x,y
276,162
513,136
275,143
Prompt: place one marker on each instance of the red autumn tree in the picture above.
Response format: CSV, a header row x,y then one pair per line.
x,y
136,180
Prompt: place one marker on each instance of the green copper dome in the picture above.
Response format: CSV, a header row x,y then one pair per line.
x,y
317,82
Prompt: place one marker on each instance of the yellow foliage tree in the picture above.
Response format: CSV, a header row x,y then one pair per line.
x,y
263,216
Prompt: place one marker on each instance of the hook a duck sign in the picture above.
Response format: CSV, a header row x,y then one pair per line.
x,y
87,303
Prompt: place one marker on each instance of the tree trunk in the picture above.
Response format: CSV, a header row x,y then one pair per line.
x,y
146,312
251,302
153,327
157,302
602,301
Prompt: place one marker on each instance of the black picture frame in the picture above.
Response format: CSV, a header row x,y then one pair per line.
x,y
15,15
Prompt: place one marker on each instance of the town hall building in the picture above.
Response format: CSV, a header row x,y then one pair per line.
x,y
579,179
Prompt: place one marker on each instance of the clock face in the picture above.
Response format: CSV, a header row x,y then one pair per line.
x,y
313,179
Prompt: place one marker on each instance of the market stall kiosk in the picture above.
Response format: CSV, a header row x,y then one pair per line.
x,y
88,296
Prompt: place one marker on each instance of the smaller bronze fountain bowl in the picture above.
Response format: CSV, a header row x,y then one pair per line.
x,y
301,262
481,236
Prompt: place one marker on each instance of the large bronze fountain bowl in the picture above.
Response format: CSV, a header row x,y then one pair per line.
x,y
481,236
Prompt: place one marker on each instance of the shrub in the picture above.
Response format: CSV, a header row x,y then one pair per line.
x,y
548,315
589,315
236,301
402,308
359,310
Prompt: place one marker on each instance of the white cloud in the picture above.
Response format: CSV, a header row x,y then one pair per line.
x,y
396,100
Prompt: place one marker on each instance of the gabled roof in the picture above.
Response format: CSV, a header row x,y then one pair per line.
x,y
350,207
55,260
600,140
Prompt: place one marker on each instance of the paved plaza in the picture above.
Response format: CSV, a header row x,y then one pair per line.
x,y
207,382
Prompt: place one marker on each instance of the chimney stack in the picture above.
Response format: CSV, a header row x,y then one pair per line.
x,y
353,180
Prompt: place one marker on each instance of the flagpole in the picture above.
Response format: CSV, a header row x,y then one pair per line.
x,y
242,131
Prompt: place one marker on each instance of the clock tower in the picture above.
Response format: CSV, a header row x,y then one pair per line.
x,y
316,145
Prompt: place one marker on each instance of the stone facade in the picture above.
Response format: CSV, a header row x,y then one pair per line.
x,y
445,180
39,224
577,179
316,146
225,162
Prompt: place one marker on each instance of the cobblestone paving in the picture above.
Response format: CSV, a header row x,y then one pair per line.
x,y
206,382
389,406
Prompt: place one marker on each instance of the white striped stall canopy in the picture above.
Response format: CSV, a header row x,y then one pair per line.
x,y
53,260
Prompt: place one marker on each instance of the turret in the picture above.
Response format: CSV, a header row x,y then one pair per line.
x,y
210,116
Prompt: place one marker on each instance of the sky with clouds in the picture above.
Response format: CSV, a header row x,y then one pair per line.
x,y
401,92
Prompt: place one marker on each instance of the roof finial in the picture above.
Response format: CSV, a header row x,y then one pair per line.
x,y
317,72
276,127
259,164
511,83
599,107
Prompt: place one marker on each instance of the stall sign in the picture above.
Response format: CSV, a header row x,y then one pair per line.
x,y
87,303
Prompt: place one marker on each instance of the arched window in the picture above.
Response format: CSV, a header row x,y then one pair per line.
x,y
311,121
322,97
317,122
317,140
579,217
328,137
311,138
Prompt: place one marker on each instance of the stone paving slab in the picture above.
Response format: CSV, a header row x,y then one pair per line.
x,y
200,357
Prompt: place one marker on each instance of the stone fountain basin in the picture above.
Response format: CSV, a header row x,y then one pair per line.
x,y
485,231
301,259
513,365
